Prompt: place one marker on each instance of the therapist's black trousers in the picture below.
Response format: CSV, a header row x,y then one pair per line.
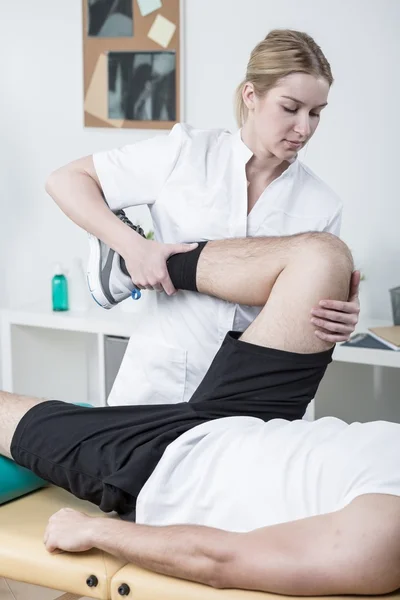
x,y
105,455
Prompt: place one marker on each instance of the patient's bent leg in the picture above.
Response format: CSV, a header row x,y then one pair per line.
x,y
286,275
300,269
319,269
274,368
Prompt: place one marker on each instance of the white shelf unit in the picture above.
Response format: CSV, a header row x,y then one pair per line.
x,y
59,355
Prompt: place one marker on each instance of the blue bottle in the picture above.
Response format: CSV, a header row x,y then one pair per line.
x,y
59,286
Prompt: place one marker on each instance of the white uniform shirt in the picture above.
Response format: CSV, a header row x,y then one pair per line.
x,y
194,182
239,473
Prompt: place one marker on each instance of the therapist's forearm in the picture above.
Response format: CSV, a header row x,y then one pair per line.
x,y
80,198
186,551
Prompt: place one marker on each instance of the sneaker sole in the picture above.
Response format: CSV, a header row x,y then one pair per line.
x,y
93,274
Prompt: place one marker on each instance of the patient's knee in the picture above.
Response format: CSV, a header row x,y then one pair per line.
x,y
326,250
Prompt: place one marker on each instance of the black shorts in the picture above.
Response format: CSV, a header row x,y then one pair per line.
x,y
105,455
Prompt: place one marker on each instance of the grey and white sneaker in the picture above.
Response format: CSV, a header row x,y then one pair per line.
x,y
108,283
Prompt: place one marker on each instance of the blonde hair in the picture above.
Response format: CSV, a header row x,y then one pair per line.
x,y
282,52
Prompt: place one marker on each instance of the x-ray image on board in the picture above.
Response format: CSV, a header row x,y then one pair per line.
x,y
110,18
142,86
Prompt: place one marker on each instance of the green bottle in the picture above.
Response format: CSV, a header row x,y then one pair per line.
x,y
59,286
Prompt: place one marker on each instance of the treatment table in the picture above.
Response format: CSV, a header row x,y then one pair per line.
x,y
94,574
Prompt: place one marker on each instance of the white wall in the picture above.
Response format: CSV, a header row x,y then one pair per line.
x,y
41,122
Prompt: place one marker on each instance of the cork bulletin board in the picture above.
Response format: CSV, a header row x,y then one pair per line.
x,y
132,63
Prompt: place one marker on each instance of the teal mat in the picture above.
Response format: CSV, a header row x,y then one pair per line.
x,y
17,481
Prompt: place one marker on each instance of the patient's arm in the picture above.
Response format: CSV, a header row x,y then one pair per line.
x,y
353,551
187,551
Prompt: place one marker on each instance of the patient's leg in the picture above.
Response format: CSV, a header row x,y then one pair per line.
x,y
286,275
274,368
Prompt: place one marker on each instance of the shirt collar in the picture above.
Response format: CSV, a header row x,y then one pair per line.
x,y
244,151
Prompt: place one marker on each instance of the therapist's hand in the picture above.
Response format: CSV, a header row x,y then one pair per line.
x,y
337,320
146,262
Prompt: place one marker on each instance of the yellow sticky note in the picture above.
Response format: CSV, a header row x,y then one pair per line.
x,y
162,31
148,6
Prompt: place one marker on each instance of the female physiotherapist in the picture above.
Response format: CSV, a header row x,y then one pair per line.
x,y
208,185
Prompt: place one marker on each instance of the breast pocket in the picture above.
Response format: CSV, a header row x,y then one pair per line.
x,y
191,212
150,373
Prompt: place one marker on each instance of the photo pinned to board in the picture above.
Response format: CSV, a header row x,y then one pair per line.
x,y
110,18
141,86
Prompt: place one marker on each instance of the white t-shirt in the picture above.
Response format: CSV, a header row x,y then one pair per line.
x,y
240,473
194,182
